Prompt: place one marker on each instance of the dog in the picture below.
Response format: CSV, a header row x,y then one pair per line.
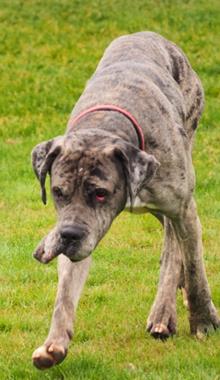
x,y
128,141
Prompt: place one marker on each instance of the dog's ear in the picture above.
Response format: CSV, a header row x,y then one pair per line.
x,y
138,167
43,156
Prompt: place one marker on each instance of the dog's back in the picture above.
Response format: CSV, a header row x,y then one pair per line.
x,y
147,74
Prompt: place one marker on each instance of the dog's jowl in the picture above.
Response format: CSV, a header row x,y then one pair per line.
x,y
128,140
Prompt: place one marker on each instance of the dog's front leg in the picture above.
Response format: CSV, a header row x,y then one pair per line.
x,y
162,319
72,277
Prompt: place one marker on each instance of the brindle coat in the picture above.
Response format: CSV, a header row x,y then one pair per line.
x,y
97,166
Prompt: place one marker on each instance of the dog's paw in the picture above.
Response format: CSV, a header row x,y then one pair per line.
x,y
161,323
47,356
202,323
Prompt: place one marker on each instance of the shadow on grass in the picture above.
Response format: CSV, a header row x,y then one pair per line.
x,y
82,368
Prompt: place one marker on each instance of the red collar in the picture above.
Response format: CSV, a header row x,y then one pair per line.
x,y
111,107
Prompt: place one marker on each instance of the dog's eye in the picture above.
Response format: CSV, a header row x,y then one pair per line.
x,y
57,192
100,194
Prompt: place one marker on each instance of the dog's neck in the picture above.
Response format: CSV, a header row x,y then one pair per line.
x,y
104,125
111,108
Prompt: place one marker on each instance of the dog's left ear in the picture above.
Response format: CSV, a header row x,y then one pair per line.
x,y
43,156
138,167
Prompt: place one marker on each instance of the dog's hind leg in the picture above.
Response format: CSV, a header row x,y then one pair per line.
x,y
72,277
203,315
161,322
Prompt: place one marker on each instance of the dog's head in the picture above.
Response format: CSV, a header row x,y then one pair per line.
x,y
90,186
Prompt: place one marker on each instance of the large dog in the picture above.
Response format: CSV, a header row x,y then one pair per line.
x,y
129,140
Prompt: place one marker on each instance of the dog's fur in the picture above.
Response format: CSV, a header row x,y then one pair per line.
x,y
97,167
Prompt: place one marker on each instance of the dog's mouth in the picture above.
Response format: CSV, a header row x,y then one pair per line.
x,y
72,251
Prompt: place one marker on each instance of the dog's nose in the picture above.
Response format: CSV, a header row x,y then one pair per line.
x,y
71,233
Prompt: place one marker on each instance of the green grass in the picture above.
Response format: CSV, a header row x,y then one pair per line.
x,y
48,49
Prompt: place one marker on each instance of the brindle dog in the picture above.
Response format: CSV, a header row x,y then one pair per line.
x,y
97,166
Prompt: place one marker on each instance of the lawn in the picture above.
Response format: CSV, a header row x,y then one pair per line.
x,y
48,50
